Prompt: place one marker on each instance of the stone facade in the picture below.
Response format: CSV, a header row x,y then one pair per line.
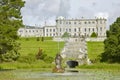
x,y
81,27
75,27
30,31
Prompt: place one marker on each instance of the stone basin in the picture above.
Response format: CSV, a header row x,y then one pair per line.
x,y
72,63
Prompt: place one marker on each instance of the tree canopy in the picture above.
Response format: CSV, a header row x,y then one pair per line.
x,y
10,22
65,35
112,43
94,35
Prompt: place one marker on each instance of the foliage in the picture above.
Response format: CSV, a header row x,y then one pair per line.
x,y
65,35
42,56
94,35
38,38
48,59
112,44
10,22
42,39
30,58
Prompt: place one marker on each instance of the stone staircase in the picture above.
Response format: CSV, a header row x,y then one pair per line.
x,y
76,49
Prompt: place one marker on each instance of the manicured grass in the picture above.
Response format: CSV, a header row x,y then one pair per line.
x,y
32,46
22,65
95,49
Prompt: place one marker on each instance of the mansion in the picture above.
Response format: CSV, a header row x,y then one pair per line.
x,y
75,27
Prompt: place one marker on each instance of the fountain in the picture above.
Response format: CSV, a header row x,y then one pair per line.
x,y
75,49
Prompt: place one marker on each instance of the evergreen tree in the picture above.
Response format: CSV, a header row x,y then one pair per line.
x,y
93,35
10,22
112,43
65,35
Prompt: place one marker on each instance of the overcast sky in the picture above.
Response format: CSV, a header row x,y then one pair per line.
x,y
36,12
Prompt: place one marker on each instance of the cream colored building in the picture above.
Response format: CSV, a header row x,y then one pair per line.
x,y
30,31
79,27
75,27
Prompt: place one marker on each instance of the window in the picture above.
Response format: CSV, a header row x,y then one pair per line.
x,y
69,22
100,28
66,30
33,30
69,30
93,29
60,29
47,34
66,22
89,29
93,22
79,29
50,30
89,22
85,29
53,30
46,30
74,22
75,29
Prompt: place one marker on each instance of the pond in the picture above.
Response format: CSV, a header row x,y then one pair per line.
x,y
67,75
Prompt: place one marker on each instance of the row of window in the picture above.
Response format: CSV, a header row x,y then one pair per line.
x,y
85,29
60,30
86,22
50,34
50,30
31,31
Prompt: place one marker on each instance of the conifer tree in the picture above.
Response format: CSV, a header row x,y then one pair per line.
x,y
10,22
112,44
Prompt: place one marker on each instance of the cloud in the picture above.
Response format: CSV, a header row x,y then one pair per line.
x,y
102,15
39,11
44,10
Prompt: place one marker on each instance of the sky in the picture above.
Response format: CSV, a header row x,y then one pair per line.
x,y
37,12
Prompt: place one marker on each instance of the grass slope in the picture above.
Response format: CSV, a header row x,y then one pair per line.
x,y
32,46
95,49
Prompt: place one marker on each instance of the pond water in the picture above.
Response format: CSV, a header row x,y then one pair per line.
x,y
80,75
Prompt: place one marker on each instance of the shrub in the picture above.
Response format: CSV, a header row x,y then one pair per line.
x,y
94,35
42,39
42,56
38,39
48,59
10,56
27,59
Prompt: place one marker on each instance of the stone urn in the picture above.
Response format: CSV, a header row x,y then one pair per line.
x,y
72,63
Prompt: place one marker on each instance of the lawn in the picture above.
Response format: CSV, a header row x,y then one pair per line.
x,y
36,69
31,46
95,49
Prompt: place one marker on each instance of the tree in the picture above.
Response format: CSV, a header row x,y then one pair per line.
x,y
10,22
112,44
65,35
93,35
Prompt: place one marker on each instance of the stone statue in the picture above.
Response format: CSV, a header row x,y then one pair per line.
x,y
58,61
